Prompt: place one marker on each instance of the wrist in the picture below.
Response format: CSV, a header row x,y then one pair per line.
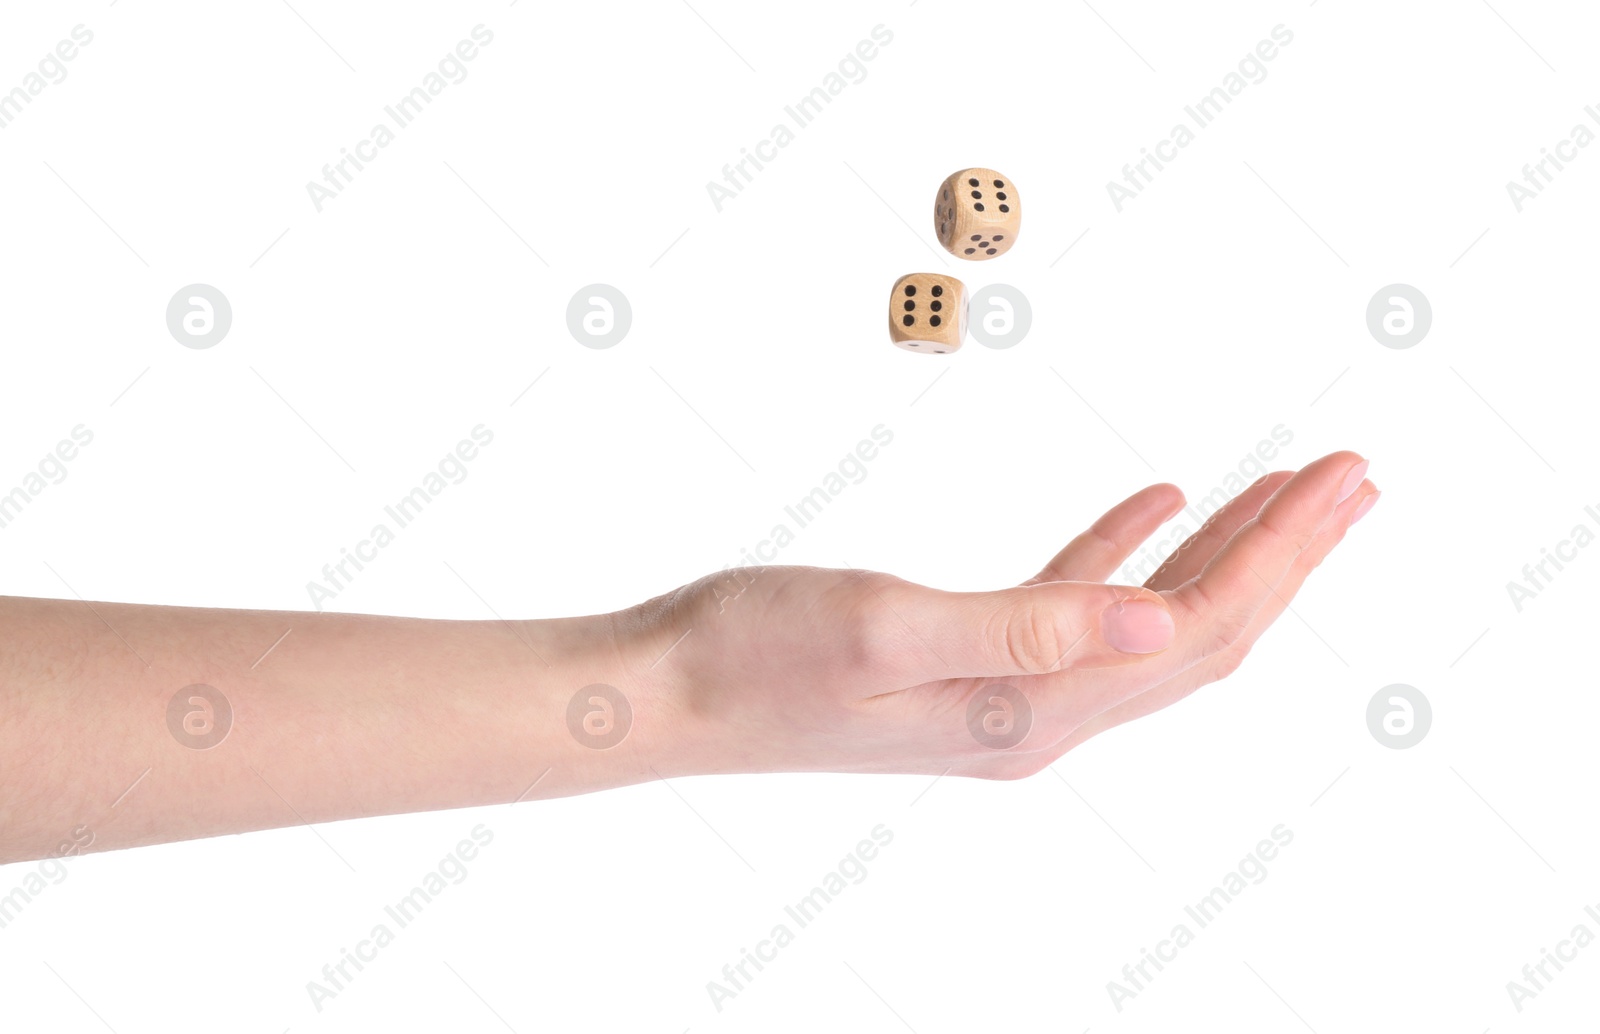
x,y
605,709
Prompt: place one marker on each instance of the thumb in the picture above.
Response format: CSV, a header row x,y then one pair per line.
x,y
1034,629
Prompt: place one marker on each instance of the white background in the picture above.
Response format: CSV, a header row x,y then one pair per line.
x,y
1168,339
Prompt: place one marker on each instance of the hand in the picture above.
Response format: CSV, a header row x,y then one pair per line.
x,y
794,668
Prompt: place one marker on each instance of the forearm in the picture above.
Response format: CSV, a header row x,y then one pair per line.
x,y
332,716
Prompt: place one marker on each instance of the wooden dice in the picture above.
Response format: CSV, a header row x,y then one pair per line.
x,y
977,214
928,313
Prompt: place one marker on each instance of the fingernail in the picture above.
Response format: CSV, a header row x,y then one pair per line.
x,y
1366,504
1352,481
1137,626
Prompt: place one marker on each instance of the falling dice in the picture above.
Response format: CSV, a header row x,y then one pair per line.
x,y
977,214
928,312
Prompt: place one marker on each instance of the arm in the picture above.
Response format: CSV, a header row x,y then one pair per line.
x,y
346,716
314,717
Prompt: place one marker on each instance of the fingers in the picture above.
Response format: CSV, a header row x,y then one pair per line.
x,y
1094,555
1352,509
1216,606
1190,558
1027,630
1222,664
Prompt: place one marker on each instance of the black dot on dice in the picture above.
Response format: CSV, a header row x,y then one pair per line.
x,y
999,236
1001,195
977,206
991,251
933,321
999,183
908,319
977,236
937,290
911,289
936,305
1005,208
972,183
910,305
977,194
969,251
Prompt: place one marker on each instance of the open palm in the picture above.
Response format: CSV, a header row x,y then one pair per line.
x,y
842,670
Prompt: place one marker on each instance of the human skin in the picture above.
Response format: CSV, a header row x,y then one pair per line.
x,y
760,670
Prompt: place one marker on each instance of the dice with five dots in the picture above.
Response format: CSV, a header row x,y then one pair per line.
x,y
928,313
977,214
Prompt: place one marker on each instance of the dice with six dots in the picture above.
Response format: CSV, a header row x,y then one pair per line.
x,y
977,214
928,313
